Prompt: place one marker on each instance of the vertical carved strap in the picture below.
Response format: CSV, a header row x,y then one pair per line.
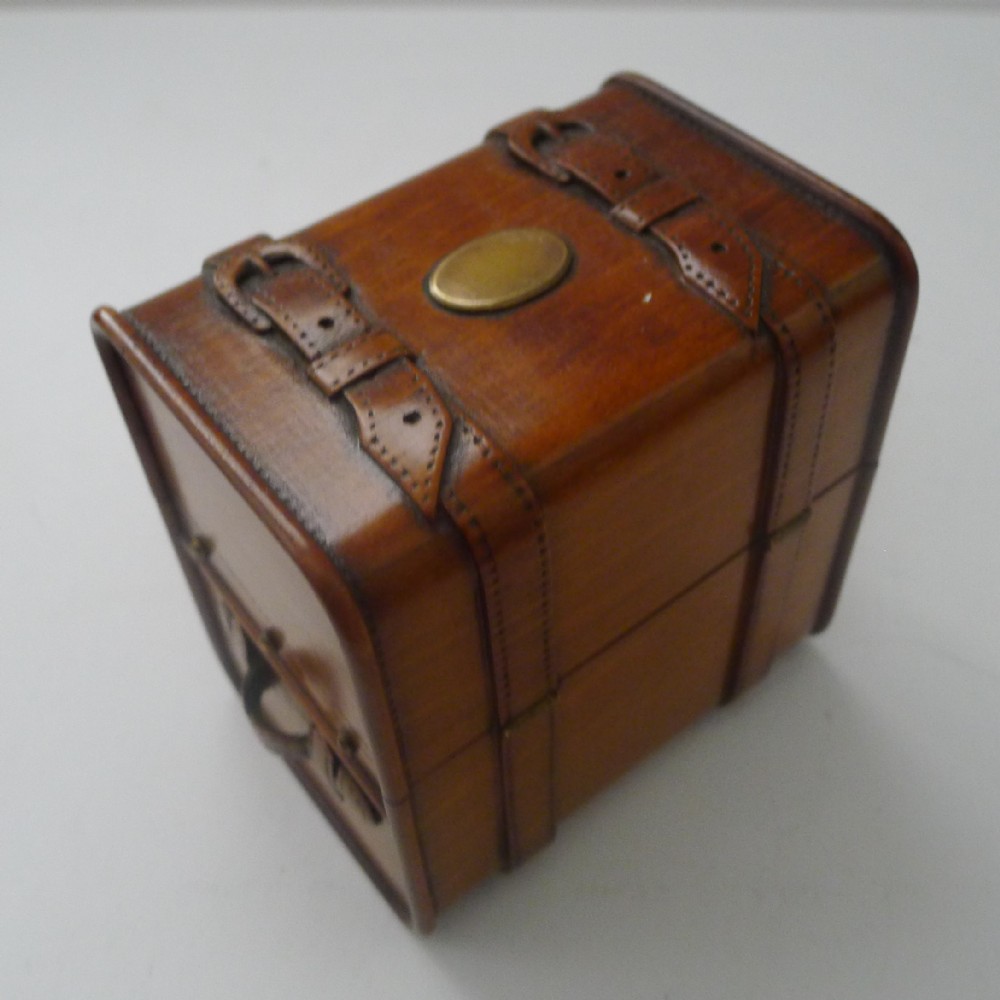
x,y
440,459
800,323
717,256
499,515
527,757
501,520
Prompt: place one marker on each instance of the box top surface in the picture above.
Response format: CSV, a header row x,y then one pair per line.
x,y
554,381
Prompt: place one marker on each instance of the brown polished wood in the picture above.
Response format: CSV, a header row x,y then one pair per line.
x,y
494,557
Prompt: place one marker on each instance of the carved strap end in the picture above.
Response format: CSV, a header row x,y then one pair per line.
x,y
405,426
717,257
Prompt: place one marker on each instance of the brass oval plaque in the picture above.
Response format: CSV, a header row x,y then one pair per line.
x,y
500,270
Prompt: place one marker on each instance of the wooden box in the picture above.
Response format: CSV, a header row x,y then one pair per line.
x,y
474,531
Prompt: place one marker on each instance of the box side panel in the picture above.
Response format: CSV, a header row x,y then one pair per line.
x,y
833,239
657,679
426,624
641,518
459,812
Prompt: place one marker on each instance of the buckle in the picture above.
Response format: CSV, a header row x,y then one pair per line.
x,y
259,257
526,134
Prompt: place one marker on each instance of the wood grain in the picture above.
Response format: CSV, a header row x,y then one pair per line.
x,y
648,488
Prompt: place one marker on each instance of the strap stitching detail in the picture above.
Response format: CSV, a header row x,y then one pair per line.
x,y
531,505
307,339
395,349
419,490
792,403
819,302
240,306
466,515
341,349
358,369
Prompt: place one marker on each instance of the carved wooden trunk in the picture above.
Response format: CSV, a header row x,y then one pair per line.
x,y
472,539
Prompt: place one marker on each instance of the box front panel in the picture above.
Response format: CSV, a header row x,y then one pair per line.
x,y
270,621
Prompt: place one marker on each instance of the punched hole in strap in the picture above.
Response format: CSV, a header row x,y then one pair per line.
x,y
606,164
390,408
717,256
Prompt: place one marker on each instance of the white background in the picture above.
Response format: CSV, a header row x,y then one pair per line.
x,y
836,834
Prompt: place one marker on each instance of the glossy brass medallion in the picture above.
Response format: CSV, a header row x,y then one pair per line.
x,y
500,270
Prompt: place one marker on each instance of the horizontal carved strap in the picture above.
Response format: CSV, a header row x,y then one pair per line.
x,y
307,310
526,134
605,164
289,286
259,256
714,256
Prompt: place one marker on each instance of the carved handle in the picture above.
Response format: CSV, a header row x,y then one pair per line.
x,y
260,678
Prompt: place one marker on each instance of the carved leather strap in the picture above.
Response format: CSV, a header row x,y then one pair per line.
x,y
805,380
440,459
497,512
714,254
405,426
718,257
493,505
